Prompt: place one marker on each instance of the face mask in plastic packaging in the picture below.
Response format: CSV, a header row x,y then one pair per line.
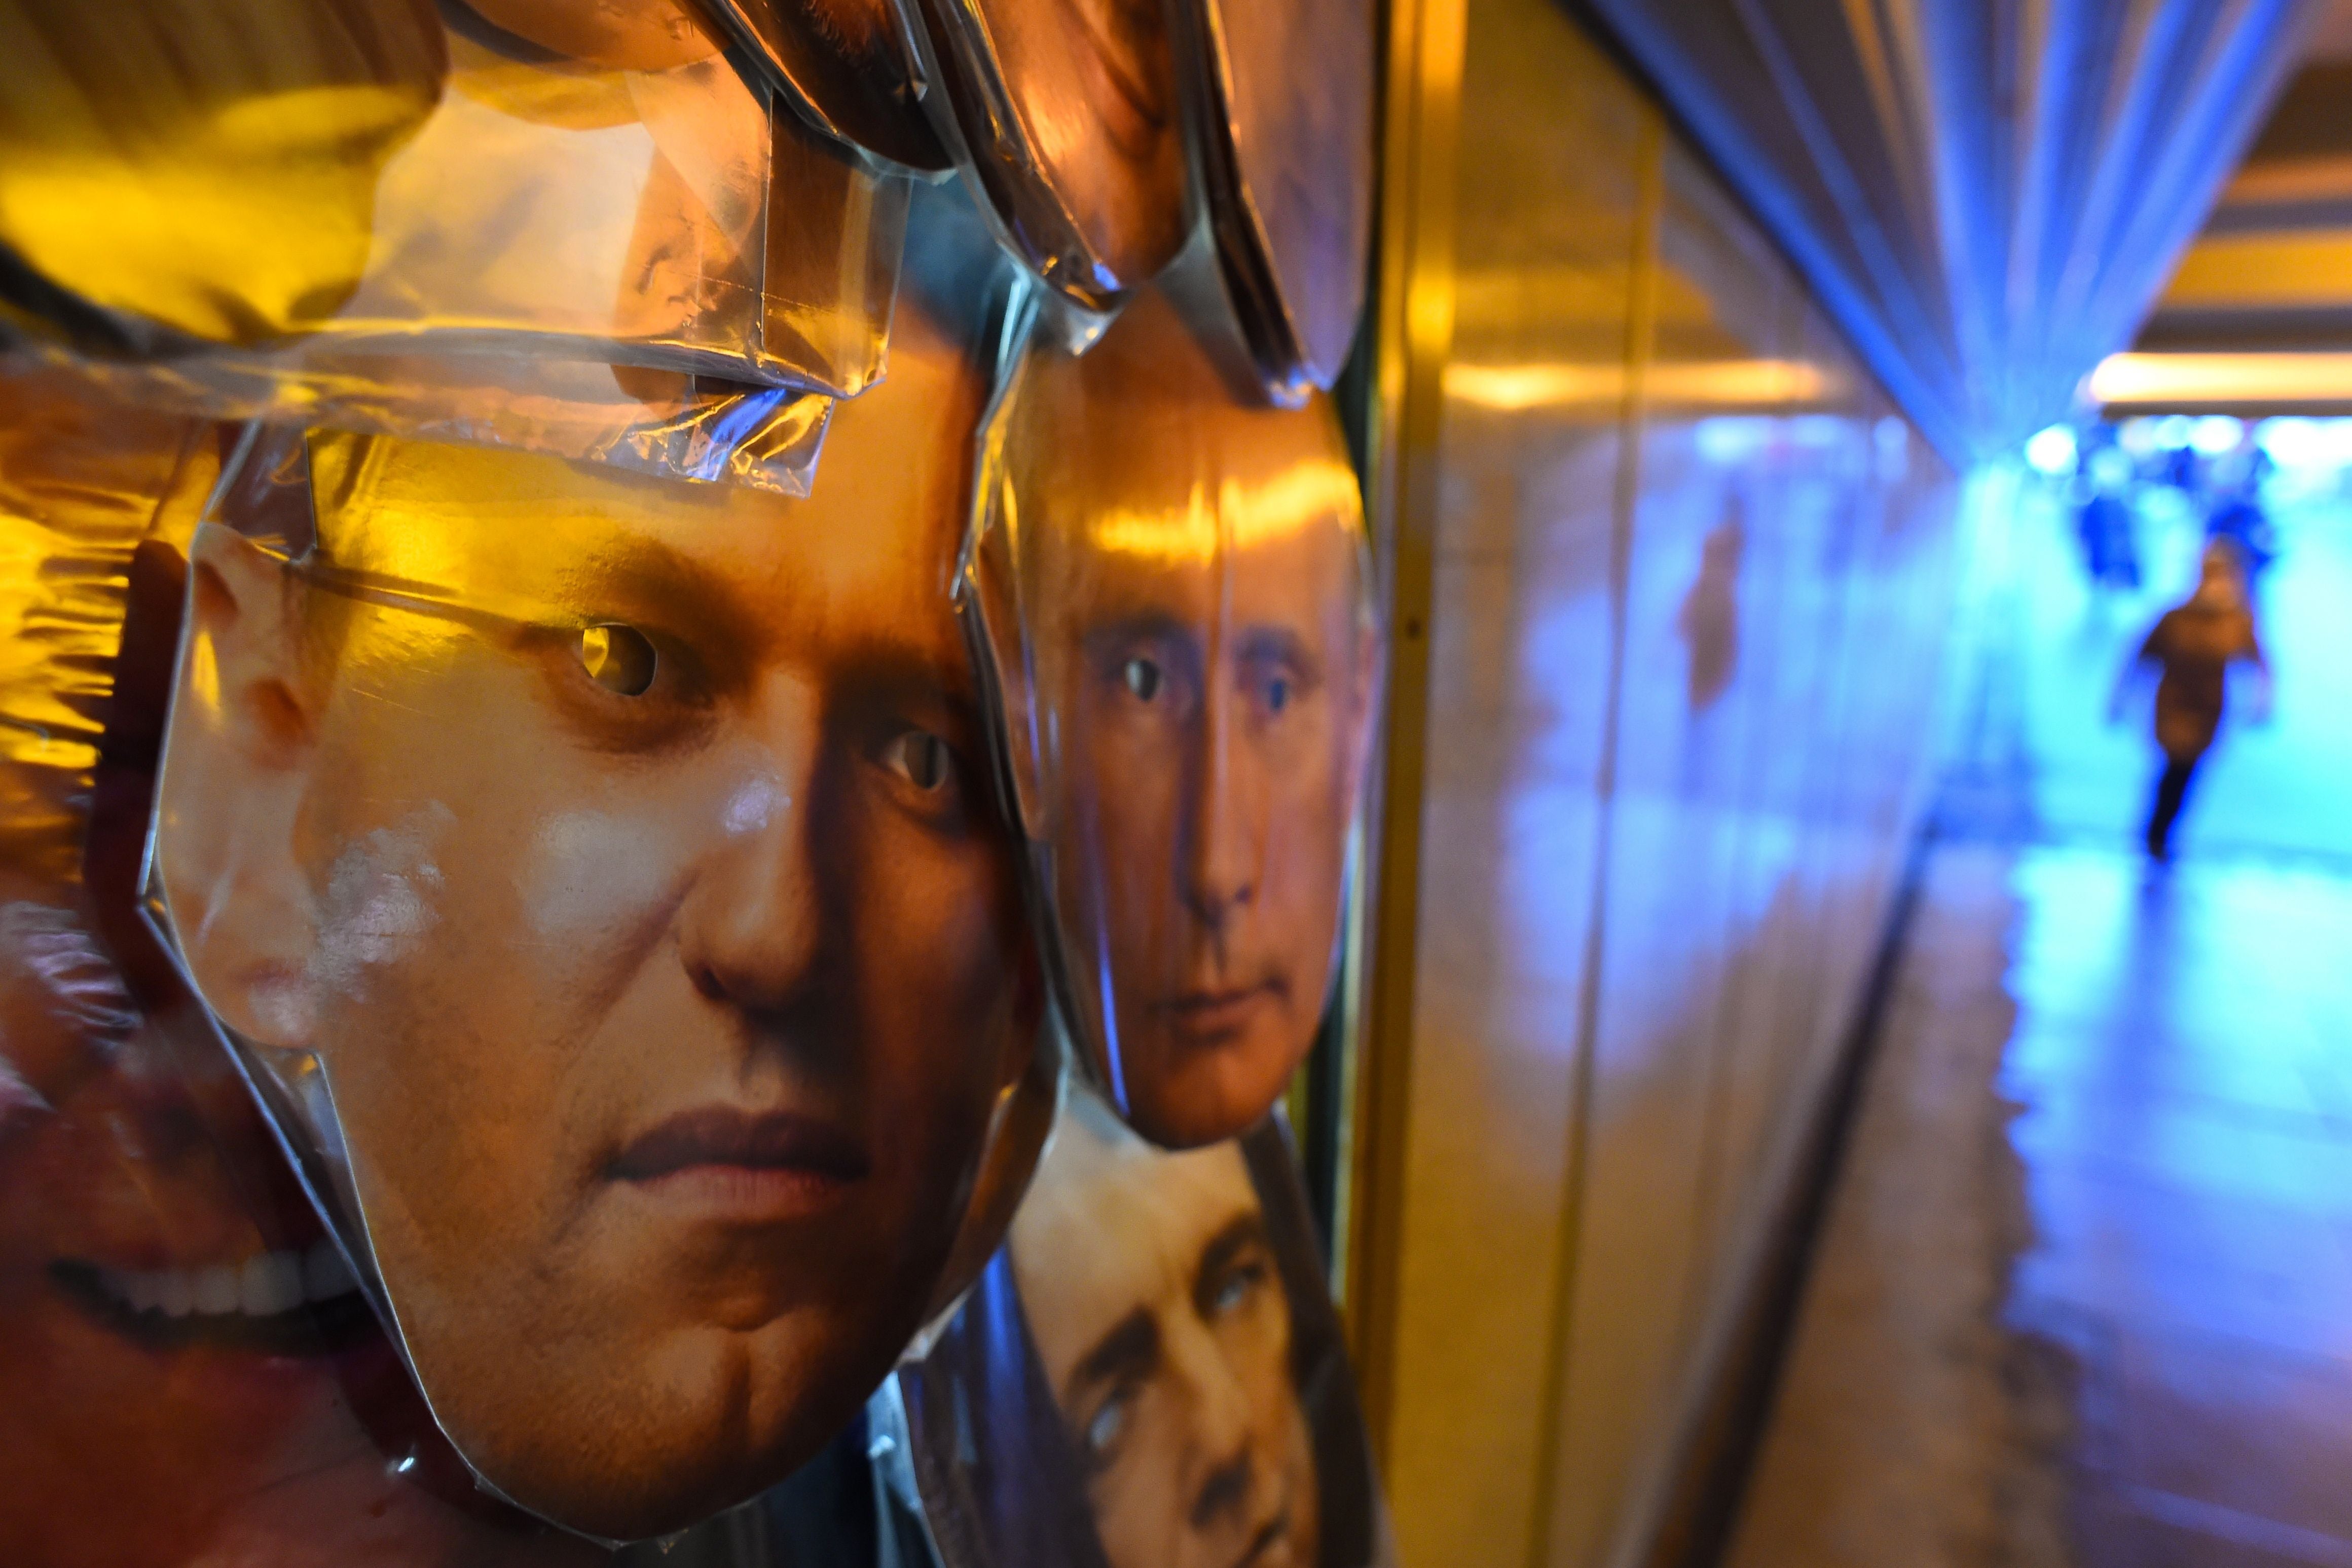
x,y
1065,116
1281,119
1150,1374
584,182
597,878
1171,591
848,67
171,1299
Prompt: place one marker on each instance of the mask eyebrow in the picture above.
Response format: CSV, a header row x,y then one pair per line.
x,y
886,676
1120,631
1243,1233
651,580
1276,644
1127,1354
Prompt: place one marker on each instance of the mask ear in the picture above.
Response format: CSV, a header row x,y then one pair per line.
x,y
236,769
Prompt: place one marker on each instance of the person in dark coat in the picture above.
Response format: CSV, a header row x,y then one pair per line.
x,y
2193,645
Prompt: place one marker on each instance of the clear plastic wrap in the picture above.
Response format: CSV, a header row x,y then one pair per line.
x,y
386,178
1149,1375
1284,157
660,423
599,882
1064,117
1171,591
187,1371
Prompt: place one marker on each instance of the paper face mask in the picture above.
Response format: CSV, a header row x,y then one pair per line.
x,y
1174,599
1284,153
847,67
1066,114
188,1374
1150,1376
594,876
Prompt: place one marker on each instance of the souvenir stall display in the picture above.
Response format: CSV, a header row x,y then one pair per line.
x,y
649,646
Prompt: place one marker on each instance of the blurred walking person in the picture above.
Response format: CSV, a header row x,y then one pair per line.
x,y
2105,521
2193,645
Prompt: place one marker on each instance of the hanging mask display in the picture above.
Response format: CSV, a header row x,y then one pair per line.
x,y
1285,157
187,1370
290,224
1150,1375
562,928
1171,590
597,878
1064,117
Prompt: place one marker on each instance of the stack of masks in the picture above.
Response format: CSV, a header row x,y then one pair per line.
x,y
644,641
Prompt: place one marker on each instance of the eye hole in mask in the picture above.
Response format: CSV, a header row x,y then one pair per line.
x,y
620,659
923,758
1143,678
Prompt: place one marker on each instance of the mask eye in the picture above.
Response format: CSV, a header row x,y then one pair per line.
x,y
1104,1431
1142,677
1235,1290
920,758
1277,695
618,658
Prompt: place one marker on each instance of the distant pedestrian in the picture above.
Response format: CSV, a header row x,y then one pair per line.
x,y
2105,521
2240,522
2110,552
2193,645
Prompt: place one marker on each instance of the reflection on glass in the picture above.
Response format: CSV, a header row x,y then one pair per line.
x,y
1177,597
595,875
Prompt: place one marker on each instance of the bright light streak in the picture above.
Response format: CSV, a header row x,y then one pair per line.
x,y
1721,383
2221,381
2217,434
2052,451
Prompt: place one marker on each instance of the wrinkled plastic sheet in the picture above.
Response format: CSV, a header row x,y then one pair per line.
x,y
379,182
661,423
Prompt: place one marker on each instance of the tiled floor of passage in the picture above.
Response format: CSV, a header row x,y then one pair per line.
x,y
2086,1295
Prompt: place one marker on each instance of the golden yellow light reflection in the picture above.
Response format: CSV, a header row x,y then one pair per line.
x,y
2303,267
500,533
2200,380
1235,514
245,224
1729,384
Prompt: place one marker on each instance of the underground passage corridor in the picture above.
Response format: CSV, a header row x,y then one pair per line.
x,y
1175,784
2084,1294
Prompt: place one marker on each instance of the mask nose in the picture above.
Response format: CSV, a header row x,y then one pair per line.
x,y
752,924
1224,1457
1223,827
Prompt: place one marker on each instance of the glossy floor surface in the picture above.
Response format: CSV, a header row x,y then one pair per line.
x,y
2085,1293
